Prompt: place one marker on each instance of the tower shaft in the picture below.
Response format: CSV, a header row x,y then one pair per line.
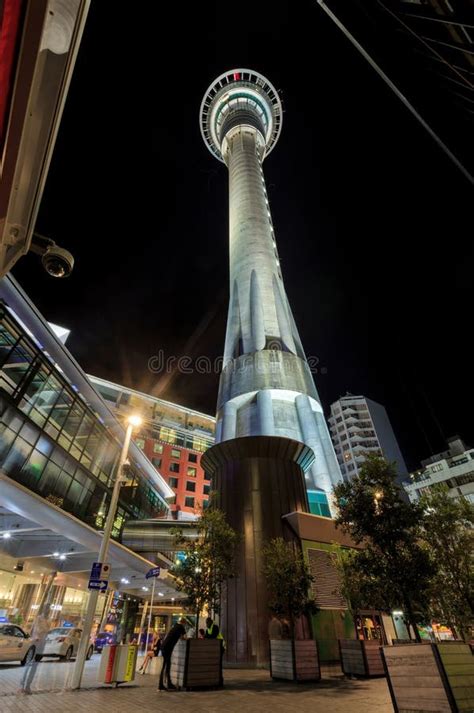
x,y
266,385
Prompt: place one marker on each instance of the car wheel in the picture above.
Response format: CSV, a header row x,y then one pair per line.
x,y
90,651
38,657
68,654
28,657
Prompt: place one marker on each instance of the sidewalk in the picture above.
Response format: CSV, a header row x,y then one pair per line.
x,y
244,692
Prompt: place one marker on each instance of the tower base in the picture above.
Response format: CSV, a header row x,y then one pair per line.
x,y
258,479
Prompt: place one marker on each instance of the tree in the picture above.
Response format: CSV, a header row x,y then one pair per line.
x,y
288,580
209,559
449,534
395,567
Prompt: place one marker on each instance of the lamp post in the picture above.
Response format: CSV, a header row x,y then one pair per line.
x,y
104,548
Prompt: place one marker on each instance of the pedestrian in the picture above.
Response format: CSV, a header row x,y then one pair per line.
x,y
177,632
213,632
153,651
39,633
275,628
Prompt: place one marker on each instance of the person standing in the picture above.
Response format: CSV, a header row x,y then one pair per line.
x,y
38,637
176,633
213,632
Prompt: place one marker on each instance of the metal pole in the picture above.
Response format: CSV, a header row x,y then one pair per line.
x,y
104,548
142,624
151,609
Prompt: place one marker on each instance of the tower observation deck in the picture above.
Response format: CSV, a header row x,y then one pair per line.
x,y
266,385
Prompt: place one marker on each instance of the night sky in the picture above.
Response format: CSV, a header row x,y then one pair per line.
x,y
373,223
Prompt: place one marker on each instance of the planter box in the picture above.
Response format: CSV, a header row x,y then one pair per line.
x,y
294,660
433,677
361,658
197,663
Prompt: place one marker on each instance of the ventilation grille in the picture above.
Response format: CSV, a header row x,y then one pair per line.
x,y
327,584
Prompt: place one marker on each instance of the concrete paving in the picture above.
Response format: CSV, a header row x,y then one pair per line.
x,y
244,692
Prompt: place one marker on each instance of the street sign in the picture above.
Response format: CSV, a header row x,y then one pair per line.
x,y
100,584
100,570
154,572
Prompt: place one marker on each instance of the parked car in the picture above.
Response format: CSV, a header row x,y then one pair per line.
x,y
104,638
63,642
15,644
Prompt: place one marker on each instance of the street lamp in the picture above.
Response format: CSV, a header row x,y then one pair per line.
x,y
132,421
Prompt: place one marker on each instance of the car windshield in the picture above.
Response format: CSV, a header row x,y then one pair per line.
x,y
60,632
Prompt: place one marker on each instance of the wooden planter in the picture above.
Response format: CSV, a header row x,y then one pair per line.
x,y
197,663
361,658
433,677
294,660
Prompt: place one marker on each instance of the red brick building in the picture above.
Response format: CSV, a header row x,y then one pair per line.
x,y
172,437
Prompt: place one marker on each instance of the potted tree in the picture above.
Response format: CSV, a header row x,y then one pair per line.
x,y
288,582
205,562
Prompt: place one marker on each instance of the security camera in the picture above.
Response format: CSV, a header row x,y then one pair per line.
x,y
58,262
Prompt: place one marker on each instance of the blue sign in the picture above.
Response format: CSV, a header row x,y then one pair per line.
x,y
68,624
96,570
100,584
3,619
154,572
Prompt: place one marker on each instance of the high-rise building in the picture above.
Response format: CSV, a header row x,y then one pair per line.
x,y
360,426
172,437
271,433
453,467
266,386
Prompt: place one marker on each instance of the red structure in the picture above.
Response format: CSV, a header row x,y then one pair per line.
x,y
181,468
172,437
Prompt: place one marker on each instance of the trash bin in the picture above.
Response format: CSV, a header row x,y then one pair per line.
x,y
118,663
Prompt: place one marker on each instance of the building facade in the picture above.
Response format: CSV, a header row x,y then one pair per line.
x,y
453,467
360,426
172,437
59,449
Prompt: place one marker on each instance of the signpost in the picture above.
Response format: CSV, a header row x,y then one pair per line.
x,y
154,572
99,576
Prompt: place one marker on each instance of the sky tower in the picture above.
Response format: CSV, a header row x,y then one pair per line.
x,y
266,386
272,442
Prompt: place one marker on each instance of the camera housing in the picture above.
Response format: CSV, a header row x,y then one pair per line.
x,y
57,261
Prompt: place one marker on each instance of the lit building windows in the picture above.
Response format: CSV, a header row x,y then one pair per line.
x,y
157,447
140,443
175,453
156,462
191,471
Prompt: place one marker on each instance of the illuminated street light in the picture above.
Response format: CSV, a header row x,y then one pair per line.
x,y
133,421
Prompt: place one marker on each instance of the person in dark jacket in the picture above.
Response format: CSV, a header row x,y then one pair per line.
x,y
176,633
